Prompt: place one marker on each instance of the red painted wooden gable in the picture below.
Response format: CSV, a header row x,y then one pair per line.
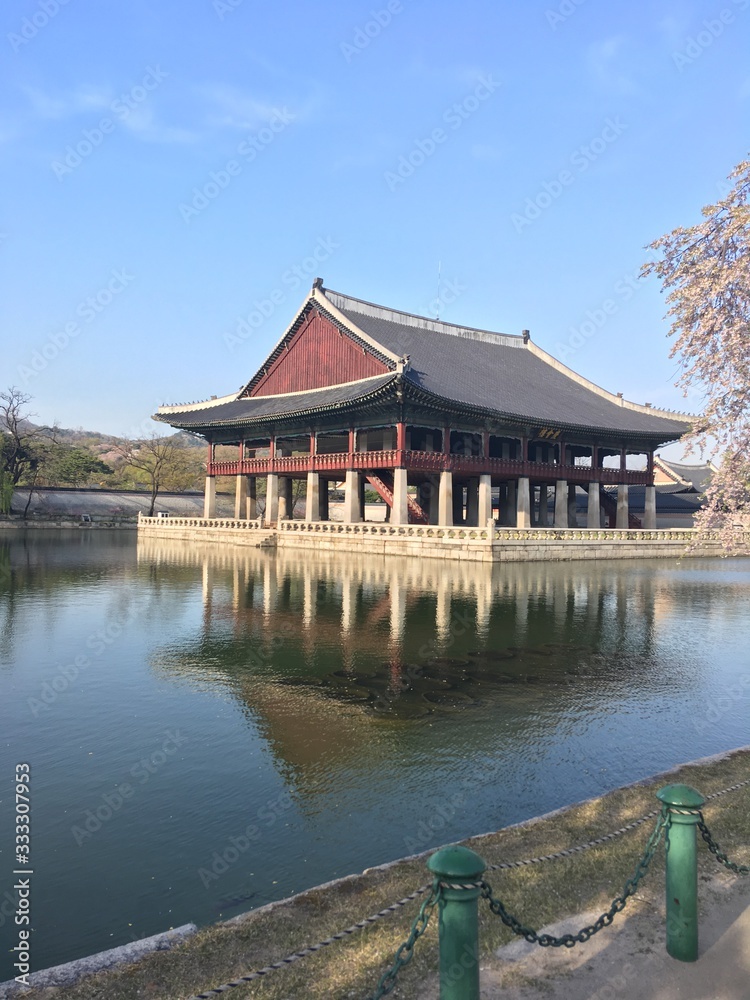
x,y
317,355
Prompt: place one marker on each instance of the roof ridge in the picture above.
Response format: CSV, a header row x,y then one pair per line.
x,y
423,322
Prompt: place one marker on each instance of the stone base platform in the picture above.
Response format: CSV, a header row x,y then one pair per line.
x,y
490,544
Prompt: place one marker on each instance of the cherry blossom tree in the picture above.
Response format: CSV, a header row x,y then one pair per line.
x,y
705,271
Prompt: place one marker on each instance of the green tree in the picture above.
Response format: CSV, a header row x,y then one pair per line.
x,y
70,466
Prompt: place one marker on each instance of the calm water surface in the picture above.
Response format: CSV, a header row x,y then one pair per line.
x,y
242,725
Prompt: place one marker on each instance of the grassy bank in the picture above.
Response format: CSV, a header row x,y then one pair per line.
x,y
538,894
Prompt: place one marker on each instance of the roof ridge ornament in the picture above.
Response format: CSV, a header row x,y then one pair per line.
x,y
526,336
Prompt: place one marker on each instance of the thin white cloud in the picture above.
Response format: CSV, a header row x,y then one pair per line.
x,y
487,153
230,107
67,105
604,59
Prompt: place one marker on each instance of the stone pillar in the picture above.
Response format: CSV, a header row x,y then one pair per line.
x,y
209,498
593,518
272,499
252,498
312,499
400,509
240,498
286,502
543,508
485,501
649,509
622,506
352,513
523,503
561,503
445,499
572,506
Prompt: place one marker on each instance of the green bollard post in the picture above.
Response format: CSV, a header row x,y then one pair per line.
x,y
458,922
682,871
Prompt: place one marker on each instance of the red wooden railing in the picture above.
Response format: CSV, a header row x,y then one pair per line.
x,y
426,461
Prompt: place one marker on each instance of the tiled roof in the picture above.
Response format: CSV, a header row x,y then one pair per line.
x,y
237,411
697,475
667,501
499,372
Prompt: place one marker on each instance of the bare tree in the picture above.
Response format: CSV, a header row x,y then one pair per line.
x,y
24,447
160,463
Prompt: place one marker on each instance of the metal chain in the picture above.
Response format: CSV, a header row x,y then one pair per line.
x,y
718,853
725,791
618,903
354,928
404,953
578,849
311,949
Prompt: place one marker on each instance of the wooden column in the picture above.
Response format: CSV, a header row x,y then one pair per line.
x,y
401,441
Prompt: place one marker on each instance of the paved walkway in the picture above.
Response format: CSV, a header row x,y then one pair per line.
x,y
628,961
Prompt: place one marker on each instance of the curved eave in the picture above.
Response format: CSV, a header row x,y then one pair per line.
x,y
435,401
274,418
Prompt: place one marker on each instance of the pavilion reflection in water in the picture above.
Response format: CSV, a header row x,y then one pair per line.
x,y
336,659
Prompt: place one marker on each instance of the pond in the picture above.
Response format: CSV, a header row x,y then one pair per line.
x,y
210,729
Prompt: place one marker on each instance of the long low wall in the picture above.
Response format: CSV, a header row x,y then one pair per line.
x,y
430,541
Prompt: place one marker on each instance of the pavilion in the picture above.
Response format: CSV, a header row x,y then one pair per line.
x,y
450,425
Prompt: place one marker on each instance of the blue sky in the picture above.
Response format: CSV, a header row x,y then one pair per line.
x,y
171,167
